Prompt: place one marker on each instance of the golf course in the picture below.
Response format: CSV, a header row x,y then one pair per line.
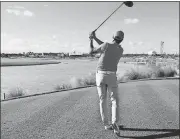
x,y
61,61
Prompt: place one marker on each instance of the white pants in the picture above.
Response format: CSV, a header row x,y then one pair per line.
x,y
107,83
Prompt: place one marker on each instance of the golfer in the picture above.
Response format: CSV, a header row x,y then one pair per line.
x,y
106,79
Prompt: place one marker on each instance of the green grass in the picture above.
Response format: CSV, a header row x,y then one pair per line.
x,y
15,92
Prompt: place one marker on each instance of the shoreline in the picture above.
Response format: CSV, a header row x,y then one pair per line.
x,y
12,62
7,62
29,64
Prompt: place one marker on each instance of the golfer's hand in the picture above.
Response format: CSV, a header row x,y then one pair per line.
x,y
92,35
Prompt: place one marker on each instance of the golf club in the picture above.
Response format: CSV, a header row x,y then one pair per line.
x,y
127,3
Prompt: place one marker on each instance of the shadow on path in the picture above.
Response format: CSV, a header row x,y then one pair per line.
x,y
170,133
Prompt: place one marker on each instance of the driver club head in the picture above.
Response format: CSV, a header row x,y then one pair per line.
x,y
128,3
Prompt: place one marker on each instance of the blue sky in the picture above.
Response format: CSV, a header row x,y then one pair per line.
x,y
65,26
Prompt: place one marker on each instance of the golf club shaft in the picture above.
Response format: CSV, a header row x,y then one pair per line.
x,y
107,18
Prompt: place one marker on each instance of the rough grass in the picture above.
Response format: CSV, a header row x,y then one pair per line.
x,y
150,72
135,73
138,72
78,82
15,92
166,71
62,87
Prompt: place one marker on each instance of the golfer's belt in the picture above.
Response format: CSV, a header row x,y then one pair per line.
x,y
106,72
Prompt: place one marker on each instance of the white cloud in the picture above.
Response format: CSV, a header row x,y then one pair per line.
x,y
19,10
13,11
140,43
16,7
131,21
127,21
28,13
135,20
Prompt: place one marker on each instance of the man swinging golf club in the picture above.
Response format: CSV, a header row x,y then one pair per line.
x,y
106,79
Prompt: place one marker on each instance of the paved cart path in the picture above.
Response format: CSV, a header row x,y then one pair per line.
x,y
148,109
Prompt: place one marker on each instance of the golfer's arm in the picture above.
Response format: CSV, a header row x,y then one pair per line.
x,y
98,41
96,50
92,49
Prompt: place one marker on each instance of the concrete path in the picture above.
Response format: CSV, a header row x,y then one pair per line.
x,y
148,109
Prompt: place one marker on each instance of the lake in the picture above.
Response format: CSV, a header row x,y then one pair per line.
x,y
44,78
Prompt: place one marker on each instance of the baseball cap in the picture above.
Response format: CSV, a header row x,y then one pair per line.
x,y
119,35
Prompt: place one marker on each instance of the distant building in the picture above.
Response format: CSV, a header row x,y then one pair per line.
x,y
75,54
30,54
152,53
39,55
61,55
